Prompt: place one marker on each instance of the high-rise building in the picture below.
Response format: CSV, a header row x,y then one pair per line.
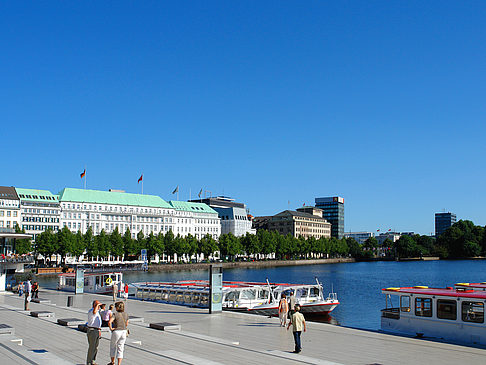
x,y
333,212
443,221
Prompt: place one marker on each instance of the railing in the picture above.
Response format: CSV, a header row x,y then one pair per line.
x,y
17,260
392,313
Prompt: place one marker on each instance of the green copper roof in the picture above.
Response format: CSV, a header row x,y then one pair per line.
x,y
192,207
36,195
111,197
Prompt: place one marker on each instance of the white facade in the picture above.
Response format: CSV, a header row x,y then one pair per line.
x,y
40,210
235,220
9,208
360,237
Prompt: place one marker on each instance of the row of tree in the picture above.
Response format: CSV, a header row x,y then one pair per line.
x,y
262,245
463,239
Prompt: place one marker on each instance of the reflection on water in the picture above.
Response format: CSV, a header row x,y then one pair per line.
x,y
358,285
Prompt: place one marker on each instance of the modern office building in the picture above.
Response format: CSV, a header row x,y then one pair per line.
x,y
299,223
40,210
333,212
443,221
9,207
360,237
233,215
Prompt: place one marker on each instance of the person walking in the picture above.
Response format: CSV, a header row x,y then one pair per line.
x,y
93,332
283,309
298,325
35,290
118,325
27,293
291,303
115,291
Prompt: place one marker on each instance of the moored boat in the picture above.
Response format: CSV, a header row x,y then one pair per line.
x,y
96,282
451,314
254,297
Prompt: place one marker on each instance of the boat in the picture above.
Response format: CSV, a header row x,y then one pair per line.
x,y
450,314
253,297
471,286
94,282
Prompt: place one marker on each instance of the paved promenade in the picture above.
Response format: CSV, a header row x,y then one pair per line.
x,y
227,338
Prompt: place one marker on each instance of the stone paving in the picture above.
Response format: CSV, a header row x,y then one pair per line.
x,y
227,338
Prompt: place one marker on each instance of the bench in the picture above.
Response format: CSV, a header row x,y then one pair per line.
x,y
165,326
42,314
5,329
70,321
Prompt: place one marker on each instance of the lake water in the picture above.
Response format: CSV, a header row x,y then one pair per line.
x,y
358,285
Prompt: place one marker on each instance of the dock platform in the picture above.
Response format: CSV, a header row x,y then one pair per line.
x,y
226,338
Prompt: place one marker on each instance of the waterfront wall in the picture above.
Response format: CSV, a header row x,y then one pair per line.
x,y
247,264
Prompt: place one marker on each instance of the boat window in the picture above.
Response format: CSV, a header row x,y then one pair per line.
x,y
180,296
301,293
172,296
165,295
447,309
233,295
204,299
187,297
195,298
314,292
97,280
405,303
263,294
473,312
423,307
248,294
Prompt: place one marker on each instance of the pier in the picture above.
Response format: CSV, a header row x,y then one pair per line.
x,y
197,337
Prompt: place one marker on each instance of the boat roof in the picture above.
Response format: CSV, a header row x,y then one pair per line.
x,y
472,285
226,284
446,292
91,273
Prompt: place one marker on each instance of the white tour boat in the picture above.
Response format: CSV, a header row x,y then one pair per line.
x,y
96,282
258,298
451,314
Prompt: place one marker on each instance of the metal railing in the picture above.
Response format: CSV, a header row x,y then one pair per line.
x,y
392,313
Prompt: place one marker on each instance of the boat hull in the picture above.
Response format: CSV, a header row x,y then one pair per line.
x,y
310,308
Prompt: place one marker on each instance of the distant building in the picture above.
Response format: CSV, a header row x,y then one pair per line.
x,y
233,215
298,223
40,210
333,212
261,222
9,207
360,237
392,236
443,221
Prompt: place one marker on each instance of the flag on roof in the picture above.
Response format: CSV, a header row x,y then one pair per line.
x,y
140,178
200,192
176,190
377,230
389,230
83,174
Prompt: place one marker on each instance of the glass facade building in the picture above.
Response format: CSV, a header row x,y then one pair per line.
x,y
443,221
333,212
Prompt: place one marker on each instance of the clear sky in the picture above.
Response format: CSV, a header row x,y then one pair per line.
x,y
380,102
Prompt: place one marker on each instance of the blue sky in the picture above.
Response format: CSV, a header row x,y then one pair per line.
x,y
381,102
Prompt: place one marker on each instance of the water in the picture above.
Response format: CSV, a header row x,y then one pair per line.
x,y
358,285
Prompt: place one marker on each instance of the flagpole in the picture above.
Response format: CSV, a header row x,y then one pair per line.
x,y
142,186
190,193
85,177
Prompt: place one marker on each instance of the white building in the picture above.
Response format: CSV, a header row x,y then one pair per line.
x,y
360,237
9,207
112,209
234,217
392,236
40,210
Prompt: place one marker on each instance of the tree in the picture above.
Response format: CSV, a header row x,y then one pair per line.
x,y
78,245
116,243
65,239
406,246
170,245
229,245
46,243
23,245
355,249
151,245
192,245
208,246
91,244
128,245
250,243
102,243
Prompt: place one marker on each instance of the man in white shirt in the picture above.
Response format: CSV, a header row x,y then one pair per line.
x,y
28,292
93,332
298,324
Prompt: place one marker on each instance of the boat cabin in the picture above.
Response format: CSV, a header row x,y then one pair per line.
x,y
100,282
451,314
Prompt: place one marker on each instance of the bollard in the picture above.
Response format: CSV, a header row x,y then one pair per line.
x,y
70,301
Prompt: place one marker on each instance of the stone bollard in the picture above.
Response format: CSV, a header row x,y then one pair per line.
x,y
70,301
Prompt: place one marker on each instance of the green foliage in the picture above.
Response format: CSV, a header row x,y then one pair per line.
x,y
463,239
46,243
208,246
116,243
23,245
65,243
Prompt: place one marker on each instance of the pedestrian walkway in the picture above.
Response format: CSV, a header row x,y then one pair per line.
x,y
227,338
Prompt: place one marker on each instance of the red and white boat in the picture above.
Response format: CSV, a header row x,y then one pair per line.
x,y
96,282
451,314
